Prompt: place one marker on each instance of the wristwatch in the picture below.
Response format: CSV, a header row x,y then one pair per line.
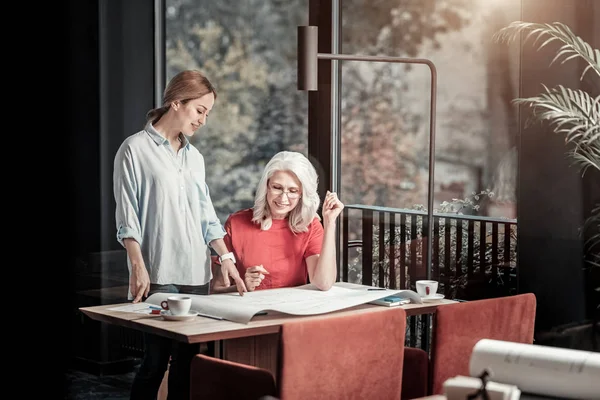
x,y
227,256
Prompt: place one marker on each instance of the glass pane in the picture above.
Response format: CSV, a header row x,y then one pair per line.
x,y
385,141
247,49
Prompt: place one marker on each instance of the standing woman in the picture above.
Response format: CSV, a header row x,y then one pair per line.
x,y
166,221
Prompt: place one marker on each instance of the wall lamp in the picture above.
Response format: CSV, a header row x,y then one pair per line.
x,y
308,56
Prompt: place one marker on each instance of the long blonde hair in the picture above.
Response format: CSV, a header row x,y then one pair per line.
x,y
306,210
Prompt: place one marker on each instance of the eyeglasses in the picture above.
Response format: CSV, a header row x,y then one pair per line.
x,y
279,192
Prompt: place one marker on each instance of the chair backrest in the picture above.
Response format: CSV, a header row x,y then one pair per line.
x,y
459,326
351,356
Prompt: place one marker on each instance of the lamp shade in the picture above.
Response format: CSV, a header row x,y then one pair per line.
x,y
307,57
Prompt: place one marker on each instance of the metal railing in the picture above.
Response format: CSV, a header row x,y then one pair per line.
x,y
473,257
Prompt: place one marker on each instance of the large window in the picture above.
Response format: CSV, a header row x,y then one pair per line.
x,y
385,126
385,107
248,51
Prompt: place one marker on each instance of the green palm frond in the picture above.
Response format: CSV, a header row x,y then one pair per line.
x,y
584,159
572,47
573,113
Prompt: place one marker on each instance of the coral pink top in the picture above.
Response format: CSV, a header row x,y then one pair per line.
x,y
278,250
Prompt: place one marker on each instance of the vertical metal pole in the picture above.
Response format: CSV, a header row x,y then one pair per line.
x,y
430,193
159,52
336,143
335,98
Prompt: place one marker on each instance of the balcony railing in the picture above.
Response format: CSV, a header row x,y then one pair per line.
x,y
473,257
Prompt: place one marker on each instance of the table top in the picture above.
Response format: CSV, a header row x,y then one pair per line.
x,y
202,329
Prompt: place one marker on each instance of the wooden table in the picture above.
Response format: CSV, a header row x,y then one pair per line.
x,y
254,343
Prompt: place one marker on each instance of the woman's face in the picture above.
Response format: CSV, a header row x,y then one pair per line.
x,y
193,114
283,193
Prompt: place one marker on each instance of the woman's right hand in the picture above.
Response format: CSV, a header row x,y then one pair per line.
x,y
139,282
254,276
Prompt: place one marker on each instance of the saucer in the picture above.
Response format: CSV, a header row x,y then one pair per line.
x,y
433,297
166,314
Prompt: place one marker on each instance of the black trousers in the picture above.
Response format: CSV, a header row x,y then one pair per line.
x,y
160,352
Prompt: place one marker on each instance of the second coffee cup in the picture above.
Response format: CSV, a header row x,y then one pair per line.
x,y
426,288
177,305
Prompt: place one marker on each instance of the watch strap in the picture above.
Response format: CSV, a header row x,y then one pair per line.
x,y
227,256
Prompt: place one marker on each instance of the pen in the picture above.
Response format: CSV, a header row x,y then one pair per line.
x,y
378,288
155,308
210,316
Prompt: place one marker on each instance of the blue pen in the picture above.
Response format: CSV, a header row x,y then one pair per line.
x,y
155,308
371,289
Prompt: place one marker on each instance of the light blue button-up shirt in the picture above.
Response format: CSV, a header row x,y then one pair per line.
x,y
163,202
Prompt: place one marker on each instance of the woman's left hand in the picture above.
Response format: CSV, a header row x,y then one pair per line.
x,y
332,207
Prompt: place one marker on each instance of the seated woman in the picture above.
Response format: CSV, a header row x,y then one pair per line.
x,y
281,241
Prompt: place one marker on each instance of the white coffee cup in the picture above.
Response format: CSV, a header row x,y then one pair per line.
x,y
426,288
177,305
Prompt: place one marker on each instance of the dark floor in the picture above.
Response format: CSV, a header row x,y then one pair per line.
x,y
84,386
80,385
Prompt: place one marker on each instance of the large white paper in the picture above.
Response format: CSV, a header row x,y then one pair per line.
x,y
301,300
140,308
545,370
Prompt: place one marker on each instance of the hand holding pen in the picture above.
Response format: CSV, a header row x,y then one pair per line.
x,y
254,277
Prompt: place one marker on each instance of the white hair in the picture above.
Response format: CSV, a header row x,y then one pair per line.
x,y
306,210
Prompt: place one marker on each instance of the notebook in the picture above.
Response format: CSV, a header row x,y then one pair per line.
x,y
391,301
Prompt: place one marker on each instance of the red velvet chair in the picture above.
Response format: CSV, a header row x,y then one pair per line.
x,y
459,326
351,356
216,379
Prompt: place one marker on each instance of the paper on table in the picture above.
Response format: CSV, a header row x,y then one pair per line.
x,y
141,308
545,370
301,300
459,387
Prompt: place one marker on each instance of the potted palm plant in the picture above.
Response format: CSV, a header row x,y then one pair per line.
x,y
575,114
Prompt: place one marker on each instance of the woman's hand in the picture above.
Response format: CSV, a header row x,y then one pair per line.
x,y
229,270
254,277
139,281
332,207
